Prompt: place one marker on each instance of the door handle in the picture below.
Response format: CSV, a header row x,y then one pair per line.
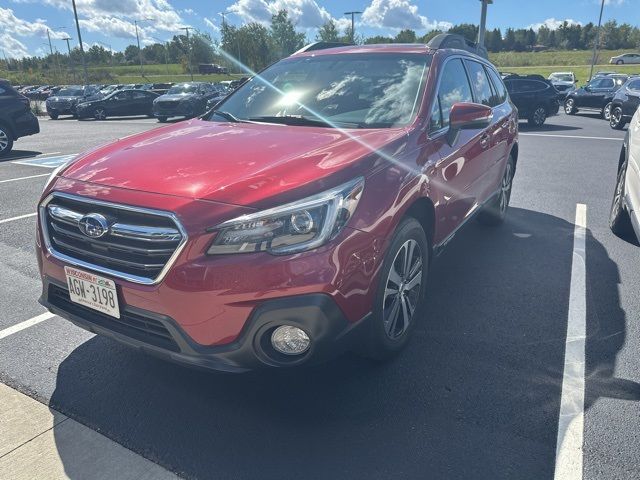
x,y
484,140
505,124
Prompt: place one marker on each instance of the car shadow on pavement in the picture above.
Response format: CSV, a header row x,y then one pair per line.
x,y
547,127
475,395
19,154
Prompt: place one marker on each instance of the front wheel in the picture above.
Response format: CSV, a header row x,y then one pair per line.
x,y
495,211
620,62
401,291
606,112
162,119
538,117
6,141
619,220
53,115
100,113
570,106
616,121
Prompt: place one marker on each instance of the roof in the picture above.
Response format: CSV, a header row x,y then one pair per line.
x,y
373,48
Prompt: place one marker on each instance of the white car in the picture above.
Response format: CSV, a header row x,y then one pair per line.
x,y
624,218
625,58
563,81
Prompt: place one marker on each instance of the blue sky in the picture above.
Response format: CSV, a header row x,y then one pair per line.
x,y
24,23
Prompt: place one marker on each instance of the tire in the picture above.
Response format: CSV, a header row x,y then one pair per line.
x,y
495,211
606,112
620,62
53,116
6,141
570,106
617,121
393,318
538,116
100,113
162,119
619,220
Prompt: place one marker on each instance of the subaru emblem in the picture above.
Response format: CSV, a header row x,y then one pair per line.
x,y
93,225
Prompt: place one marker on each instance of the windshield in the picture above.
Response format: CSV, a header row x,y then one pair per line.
x,y
70,92
186,88
562,77
363,90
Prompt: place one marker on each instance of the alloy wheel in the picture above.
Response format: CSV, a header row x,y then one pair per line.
x,y
505,189
616,207
402,290
100,114
4,140
616,117
568,106
606,113
539,116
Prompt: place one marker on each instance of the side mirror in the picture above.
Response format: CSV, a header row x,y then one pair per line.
x,y
467,116
587,88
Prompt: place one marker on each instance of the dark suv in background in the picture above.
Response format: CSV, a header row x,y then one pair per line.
x,y
184,100
67,99
16,118
595,95
535,96
625,103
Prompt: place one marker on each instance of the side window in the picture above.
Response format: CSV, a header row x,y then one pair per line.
x,y
139,95
480,83
435,119
498,86
607,83
454,88
635,85
532,86
2,90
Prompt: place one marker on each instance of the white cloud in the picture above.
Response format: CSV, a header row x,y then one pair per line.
x,y
306,14
12,48
10,24
612,2
399,14
209,23
553,24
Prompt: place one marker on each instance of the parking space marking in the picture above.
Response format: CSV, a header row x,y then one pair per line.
x,y
19,217
22,156
24,178
46,162
570,440
18,327
570,136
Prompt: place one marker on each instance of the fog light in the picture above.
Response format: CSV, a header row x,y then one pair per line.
x,y
290,340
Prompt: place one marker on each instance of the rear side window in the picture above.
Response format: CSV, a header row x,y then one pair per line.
x,y
498,86
530,85
480,83
454,88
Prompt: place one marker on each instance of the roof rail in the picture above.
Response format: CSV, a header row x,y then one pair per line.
x,y
323,46
452,40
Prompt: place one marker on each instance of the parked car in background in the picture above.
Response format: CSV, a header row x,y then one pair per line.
x,y
184,100
66,100
625,103
595,96
564,82
625,59
208,68
624,218
16,118
122,103
297,222
159,88
535,97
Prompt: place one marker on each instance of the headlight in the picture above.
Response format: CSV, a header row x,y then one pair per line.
x,y
291,228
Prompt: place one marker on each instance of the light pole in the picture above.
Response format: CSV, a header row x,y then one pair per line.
x,y
596,43
135,22
483,21
73,70
188,49
84,63
353,24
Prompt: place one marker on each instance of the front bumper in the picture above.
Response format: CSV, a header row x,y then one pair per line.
x,y
159,335
61,108
173,109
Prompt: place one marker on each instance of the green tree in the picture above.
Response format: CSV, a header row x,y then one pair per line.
x,y
467,30
284,38
328,32
405,36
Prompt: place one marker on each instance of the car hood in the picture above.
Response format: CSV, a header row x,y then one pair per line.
x,y
562,83
246,164
178,96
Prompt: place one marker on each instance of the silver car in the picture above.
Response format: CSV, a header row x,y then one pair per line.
x,y
625,58
624,218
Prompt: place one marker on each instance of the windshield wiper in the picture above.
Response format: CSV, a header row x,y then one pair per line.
x,y
227,116
299,120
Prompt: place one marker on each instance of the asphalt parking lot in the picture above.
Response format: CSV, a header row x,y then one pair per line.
x,y
477,394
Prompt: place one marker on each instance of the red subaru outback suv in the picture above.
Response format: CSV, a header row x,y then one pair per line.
x,y
297,220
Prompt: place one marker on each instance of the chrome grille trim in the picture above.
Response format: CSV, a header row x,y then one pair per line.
x,y
133,232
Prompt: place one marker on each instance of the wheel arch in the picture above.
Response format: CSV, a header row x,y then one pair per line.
x,y
9,128
423,210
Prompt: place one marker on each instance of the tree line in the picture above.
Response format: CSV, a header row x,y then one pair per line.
x,y
257,45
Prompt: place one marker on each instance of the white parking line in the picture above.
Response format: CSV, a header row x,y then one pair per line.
x,y
19,217
18,327
24,178
21,157
569,136
46,162
569,454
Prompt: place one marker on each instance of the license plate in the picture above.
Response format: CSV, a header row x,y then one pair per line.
x,y
92,291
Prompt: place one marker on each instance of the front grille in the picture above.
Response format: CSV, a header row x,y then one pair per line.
x,y
167,107
133,325
138,243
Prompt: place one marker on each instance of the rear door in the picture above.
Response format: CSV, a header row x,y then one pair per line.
x,y
632,103
598,90
119,103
